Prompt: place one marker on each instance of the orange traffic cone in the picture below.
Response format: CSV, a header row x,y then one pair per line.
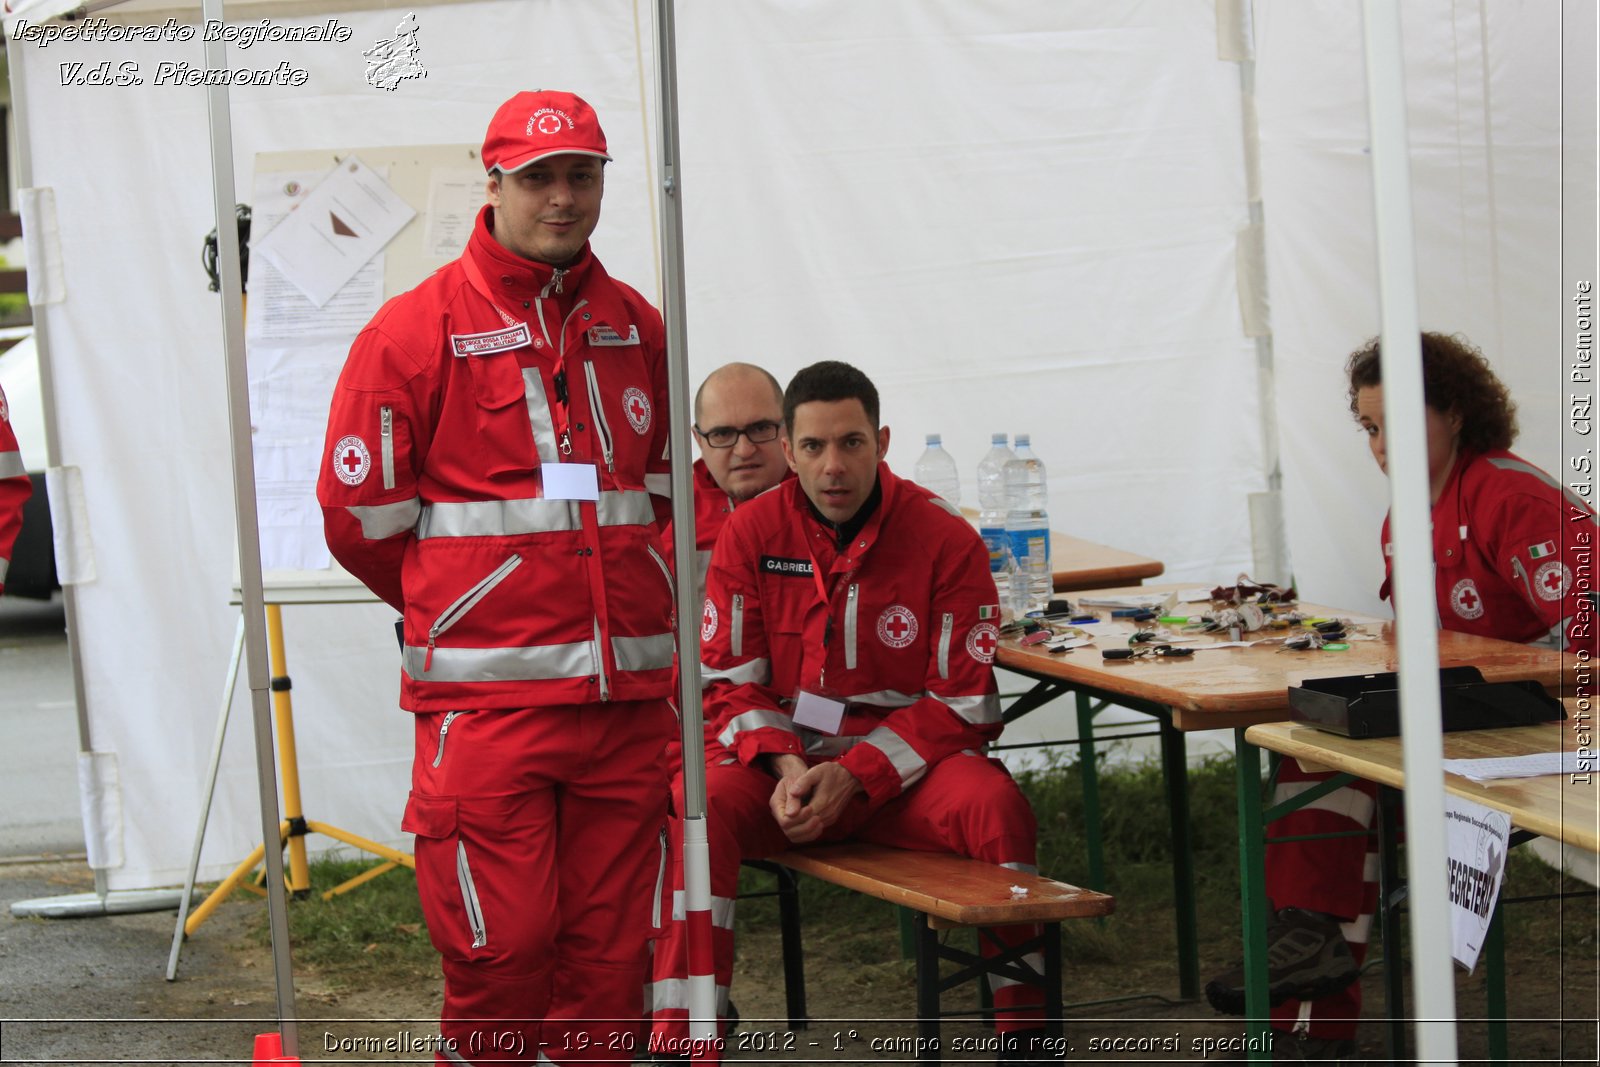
x,y
269,1050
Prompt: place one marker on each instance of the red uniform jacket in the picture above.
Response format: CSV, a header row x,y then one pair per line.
x,y
712,506
453,402
901,624
1509,545
14,489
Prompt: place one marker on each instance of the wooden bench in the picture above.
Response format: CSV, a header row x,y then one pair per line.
x,y
944,891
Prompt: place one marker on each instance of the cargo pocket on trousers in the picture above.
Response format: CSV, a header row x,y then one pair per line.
x,y
444,875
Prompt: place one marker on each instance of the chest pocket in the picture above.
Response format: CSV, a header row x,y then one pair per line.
x,y
514,421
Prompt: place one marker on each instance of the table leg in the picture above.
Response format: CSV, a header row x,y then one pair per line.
x,y
1175,766
1089,772
1494,951
1390,895
1253,894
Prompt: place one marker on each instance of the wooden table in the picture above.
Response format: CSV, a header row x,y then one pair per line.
x,y
1080,564
1560,806
1226,688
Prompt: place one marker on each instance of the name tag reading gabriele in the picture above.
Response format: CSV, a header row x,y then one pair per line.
x,y
817,712
570,481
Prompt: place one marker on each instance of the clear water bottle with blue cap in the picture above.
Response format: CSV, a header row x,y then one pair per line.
x,y
936,471
992,507
1028,529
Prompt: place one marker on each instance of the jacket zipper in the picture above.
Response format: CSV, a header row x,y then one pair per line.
x,y
851,600
465,603
944,645
557,351
598,412
444,728
1527,585
666,573
600,663
736,626
469,896
661,879
386,435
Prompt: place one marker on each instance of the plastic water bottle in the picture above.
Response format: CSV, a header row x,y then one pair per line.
x,y
936,471
1028,529
992,507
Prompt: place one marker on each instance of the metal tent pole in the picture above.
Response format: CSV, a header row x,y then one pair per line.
x,y
249,535
1410,512
696,857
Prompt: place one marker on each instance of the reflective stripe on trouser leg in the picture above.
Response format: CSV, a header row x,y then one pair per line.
x,y
738,824
1337,876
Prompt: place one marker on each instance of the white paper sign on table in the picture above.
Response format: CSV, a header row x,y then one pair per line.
x,y
1476,840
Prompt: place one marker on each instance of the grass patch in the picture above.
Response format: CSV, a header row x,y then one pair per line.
x,y
372,934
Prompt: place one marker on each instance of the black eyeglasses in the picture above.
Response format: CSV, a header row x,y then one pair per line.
x,y
759,433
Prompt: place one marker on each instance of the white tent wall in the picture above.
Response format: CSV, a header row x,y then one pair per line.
x,y
1016,215
1483,92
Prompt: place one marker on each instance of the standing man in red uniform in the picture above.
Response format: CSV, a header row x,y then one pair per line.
x,y
847,640
496,469
14,489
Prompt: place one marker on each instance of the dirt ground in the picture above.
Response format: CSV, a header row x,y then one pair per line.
x,y
94,991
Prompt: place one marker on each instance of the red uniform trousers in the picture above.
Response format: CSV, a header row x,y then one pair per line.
x,y
1336,875
541,838
967,804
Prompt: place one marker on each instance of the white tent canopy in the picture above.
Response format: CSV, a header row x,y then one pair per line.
x,y
1021,215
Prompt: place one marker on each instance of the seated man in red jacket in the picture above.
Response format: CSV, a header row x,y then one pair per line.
x,y
848,634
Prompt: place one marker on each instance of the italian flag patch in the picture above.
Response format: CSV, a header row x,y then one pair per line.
x,y
1541,551
989,611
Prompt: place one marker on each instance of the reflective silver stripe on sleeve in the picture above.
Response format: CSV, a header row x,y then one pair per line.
x,y
642,653
825,747
940,502
907,764
625,507
850,601
755,719
11,465
544,427
659,484
1555,639
1025,868
736,626
750,672
1033,961
535,663
385,520
883,698
5,565
1527,468
944,644
722,909
702,563
979,710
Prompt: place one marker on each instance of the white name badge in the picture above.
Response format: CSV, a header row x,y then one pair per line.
x,y
571,481
819,713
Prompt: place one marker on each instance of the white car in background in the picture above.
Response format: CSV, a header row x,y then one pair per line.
x,y
33,563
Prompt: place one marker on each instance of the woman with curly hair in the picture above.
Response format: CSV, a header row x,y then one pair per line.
x,y
1506,538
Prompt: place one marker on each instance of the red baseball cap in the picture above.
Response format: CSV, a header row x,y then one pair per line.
x,y
533,126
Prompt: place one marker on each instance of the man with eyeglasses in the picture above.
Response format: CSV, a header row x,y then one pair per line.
x,y
738,413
